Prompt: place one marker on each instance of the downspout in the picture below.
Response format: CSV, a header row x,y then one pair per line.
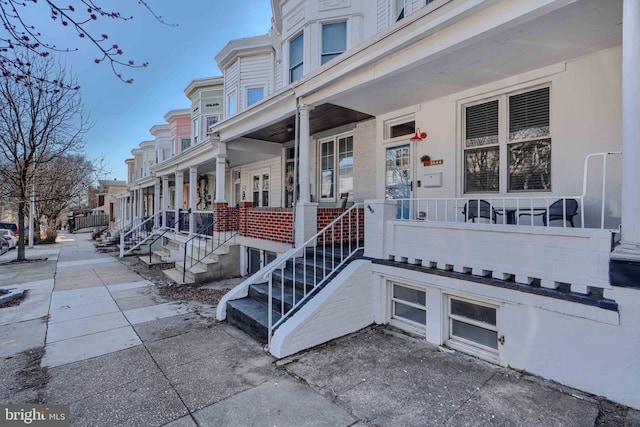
x,y
295,171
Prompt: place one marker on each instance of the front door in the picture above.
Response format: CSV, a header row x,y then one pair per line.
x,y
398,179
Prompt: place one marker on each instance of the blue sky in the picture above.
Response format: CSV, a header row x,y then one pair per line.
x,y
124,113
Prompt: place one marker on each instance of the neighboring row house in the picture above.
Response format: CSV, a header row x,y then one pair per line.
x,y
479,156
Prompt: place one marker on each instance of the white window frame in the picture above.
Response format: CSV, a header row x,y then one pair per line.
x,y
503,141
195,130
185,141
403,323
261,188
232,103
336,165
208,118
246,91
388,124
298,64
471,347
346,40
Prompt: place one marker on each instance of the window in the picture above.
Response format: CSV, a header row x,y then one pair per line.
x,y
289,176
185,143
332,162
260,186
166,153
232,101
408,307
212,120
296,55
515,156
473,325
402,129
254,94
196,131
334,40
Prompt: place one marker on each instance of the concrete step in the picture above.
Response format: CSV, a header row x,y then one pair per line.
x,y
176,277
251,317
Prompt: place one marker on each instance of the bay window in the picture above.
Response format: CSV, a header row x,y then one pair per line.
x,y
296,56
334,40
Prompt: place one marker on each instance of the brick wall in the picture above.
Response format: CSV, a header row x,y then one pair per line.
x,y
349,229
275,224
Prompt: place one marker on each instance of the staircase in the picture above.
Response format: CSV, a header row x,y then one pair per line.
x,y
290,285
201,266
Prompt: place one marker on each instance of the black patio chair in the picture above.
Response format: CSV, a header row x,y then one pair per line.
x,y
479,208
563,209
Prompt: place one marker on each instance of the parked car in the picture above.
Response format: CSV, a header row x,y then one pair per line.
x,y
4,246
12,226
9,237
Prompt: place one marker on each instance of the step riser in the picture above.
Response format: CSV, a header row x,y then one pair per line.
x,y
261,294
247,324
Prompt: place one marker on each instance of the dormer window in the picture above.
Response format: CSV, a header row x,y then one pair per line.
x,y
334,40
296,56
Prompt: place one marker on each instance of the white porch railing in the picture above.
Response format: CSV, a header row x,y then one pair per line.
x,y
313,264
545,211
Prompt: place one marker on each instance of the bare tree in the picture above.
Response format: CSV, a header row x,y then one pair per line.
x,y
61,183
41,120
72,15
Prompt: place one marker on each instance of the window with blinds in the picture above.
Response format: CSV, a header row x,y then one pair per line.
x,y
482,149
529,147
525,142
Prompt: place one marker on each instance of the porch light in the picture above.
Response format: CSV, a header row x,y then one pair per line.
x,y
419,136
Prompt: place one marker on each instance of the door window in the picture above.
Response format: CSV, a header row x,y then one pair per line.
x,y
398,178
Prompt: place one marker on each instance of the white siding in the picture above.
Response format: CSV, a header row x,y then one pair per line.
x,y
255,71
364,161
271,166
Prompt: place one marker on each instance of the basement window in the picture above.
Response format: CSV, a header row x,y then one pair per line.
x,y
408,308
473,327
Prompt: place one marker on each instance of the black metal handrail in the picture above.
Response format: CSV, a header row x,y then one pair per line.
x,y
170,226
210,238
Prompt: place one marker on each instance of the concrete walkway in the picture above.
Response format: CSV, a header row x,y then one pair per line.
x,y
121,354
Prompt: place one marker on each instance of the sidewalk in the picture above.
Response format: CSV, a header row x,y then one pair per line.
x,y
121,354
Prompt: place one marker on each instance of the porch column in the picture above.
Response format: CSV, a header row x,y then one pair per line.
x,y
221,168
140,202
305,163
156,203
193,197
630,124
179,197
165,199
306,222
134,205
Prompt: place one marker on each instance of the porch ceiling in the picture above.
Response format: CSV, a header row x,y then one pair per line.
x,y
577,29
321,118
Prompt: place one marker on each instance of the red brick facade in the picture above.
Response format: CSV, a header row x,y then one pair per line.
x,y
276,224
349,229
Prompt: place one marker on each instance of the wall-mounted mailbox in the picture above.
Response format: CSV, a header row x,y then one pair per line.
x,y
432,179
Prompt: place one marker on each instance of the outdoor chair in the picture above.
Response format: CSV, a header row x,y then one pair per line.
x,y
555,211
479,208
